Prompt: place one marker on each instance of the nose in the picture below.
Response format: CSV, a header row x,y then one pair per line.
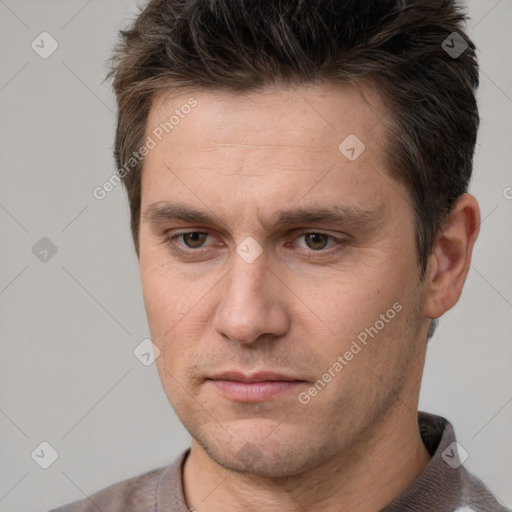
x,y
252,303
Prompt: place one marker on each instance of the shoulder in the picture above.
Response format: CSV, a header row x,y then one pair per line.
x,y
138,493
444,484
478,495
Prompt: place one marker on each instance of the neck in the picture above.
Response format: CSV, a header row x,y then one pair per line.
x,y
375,472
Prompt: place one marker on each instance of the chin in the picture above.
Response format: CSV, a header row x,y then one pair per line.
x,y
250,452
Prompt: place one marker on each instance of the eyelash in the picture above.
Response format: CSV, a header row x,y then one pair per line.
x,y
320,253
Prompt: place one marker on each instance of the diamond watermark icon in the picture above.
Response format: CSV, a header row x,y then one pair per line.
x,y
454,455
454,45
249,249
249,454
44,455
44,45
44,250
146,352
352,147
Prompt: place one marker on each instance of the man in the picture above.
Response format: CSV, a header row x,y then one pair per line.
x,y
297,173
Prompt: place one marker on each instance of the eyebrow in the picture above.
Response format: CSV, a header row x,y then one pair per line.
x,y
348,215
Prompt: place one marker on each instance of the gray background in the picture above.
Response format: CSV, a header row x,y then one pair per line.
x,y
69,325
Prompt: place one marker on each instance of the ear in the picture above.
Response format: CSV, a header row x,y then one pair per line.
x,y
450,260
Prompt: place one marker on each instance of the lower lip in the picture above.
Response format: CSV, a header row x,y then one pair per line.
x,y
254,391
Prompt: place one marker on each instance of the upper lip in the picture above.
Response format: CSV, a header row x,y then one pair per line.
x,y
259,376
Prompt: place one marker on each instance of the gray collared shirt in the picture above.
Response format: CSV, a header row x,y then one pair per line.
x,y
445,485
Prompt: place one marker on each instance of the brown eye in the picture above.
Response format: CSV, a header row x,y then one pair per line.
x,y
194,239
316,241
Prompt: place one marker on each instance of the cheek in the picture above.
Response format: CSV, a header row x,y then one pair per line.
x,y
370,319
177,309
160,303
165,297
348,303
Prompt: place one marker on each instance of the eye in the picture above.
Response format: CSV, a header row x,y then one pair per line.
x,y
192,239
314,242
317,241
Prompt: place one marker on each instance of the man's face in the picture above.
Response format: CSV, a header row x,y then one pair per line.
x,y
215,303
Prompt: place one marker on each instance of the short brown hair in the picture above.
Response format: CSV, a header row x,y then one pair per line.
x,y
399,46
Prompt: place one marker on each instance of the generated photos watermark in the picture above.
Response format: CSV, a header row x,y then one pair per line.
x,y
355,348
150,143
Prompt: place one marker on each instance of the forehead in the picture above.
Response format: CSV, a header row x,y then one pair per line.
x,y
274,146
311,117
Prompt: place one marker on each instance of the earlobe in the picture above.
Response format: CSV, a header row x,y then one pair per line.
x,y
451,258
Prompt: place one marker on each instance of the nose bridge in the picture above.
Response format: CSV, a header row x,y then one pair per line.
x,y
249,262
248,305
248,285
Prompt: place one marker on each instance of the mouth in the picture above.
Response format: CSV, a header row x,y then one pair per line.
x,y
255,387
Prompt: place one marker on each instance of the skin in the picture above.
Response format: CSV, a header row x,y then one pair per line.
x,y
242,158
